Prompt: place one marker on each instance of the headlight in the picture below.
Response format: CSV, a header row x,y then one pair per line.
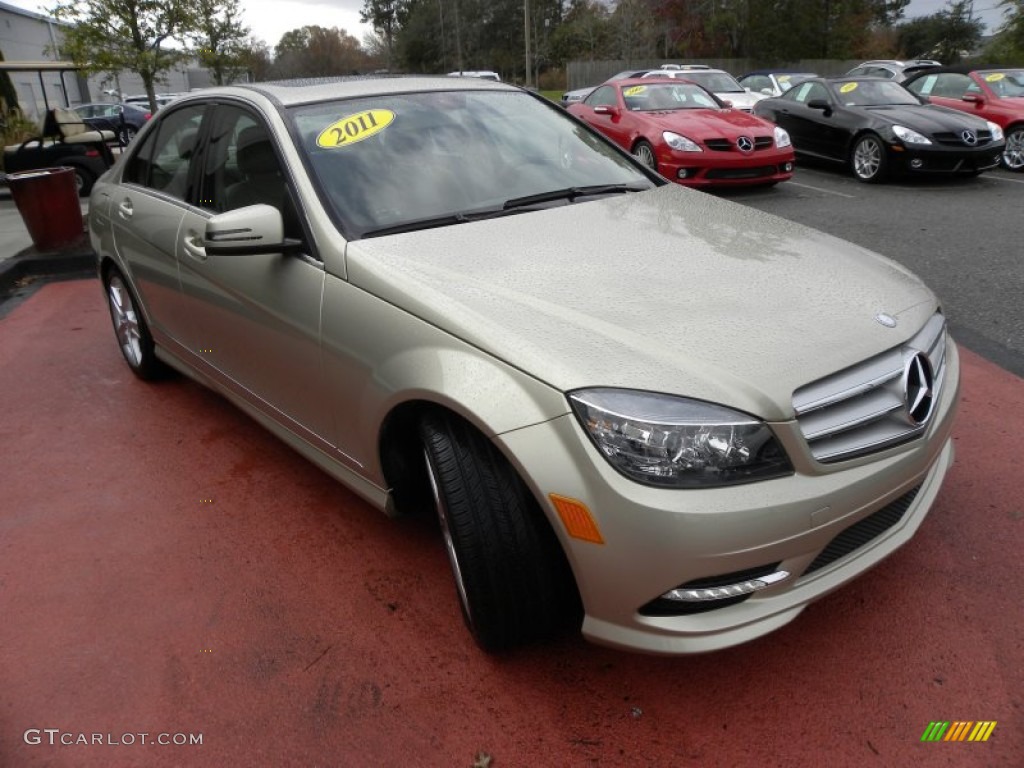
x,y
677,442
782,138
680,143
997,132
908,136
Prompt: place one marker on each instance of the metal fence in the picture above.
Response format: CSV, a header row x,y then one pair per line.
x,y
582,74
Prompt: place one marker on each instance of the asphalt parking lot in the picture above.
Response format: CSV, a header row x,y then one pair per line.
x,y
170,568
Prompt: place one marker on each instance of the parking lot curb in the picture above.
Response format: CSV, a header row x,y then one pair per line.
x,y
31,263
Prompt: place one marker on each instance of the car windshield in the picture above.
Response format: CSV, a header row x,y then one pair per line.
x,y
716,82
662,96
873,93
415,160
1006,83
787,81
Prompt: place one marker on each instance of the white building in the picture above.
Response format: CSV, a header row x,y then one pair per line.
x,y
27,37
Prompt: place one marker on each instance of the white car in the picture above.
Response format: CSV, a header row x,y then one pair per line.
x,y
718,81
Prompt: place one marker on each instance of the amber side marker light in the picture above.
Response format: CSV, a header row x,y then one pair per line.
x,y
576,518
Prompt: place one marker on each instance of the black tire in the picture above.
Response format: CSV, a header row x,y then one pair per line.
x,y
869,159
513,581
130,328
84,179
1013,155
644,152
127,134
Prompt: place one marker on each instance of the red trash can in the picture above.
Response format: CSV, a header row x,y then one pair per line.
x,y
48,202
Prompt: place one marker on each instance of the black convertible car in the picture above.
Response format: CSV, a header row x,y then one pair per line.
x,y
877,126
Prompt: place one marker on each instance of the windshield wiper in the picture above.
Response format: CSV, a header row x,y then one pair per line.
x,y
432,222
571,193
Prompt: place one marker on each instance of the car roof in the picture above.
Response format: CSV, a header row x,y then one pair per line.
x,y
629,82
313,90
963,69
778,72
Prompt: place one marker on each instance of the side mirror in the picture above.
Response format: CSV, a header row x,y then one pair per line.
x,y
607,110
726,103
766,91
821,104
255,229
974,98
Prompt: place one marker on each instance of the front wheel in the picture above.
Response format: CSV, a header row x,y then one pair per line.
x,y
869,160
127,134
1013,155
513,581
130,328
644,152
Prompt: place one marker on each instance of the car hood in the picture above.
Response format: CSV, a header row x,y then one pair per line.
x,y
928,118
669,290
711,122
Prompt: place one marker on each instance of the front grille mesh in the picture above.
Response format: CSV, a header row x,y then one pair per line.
x,y
862,409
728,145
956,139
859,534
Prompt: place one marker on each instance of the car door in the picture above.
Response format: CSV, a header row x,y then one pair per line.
x,y
947,89
146,210
613,123
804,124
254,318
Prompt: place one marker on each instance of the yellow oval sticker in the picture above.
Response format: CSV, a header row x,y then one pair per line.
x,y
995,77
848,87
784,78
355,128
636,90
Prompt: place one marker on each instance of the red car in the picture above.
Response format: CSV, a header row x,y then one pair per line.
x,y
996,94
687,134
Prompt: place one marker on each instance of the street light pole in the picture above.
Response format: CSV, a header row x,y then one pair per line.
x,y
526,27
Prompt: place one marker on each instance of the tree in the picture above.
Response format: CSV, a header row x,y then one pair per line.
x,y
386,17
315,51
1008,44
219,39
257,60
112,36
948,35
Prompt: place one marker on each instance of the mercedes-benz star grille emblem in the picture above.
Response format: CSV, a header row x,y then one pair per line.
x,y
970,138
745,144
918,383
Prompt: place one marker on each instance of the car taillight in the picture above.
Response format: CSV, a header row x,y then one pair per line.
x,y
92,153
148,115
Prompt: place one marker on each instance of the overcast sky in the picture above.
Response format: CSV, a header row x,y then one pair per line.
x,y
269,19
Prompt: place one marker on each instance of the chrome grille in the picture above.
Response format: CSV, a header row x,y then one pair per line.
x,y
863,409
956,139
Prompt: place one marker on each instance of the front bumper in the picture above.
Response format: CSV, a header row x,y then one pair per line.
x,y
656,540
938,159
716,168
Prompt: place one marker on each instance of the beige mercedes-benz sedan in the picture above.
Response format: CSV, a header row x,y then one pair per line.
x,y
661,416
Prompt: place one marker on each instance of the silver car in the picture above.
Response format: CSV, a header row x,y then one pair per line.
x,y
658,415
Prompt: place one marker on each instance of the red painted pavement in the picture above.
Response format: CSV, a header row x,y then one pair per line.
x,y
166,566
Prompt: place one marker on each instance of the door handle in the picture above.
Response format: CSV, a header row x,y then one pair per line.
x,y
124,209
193,248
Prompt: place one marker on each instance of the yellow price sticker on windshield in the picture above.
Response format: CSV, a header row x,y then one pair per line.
x,y
995,77
636,90
848,87
783,78
355,128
